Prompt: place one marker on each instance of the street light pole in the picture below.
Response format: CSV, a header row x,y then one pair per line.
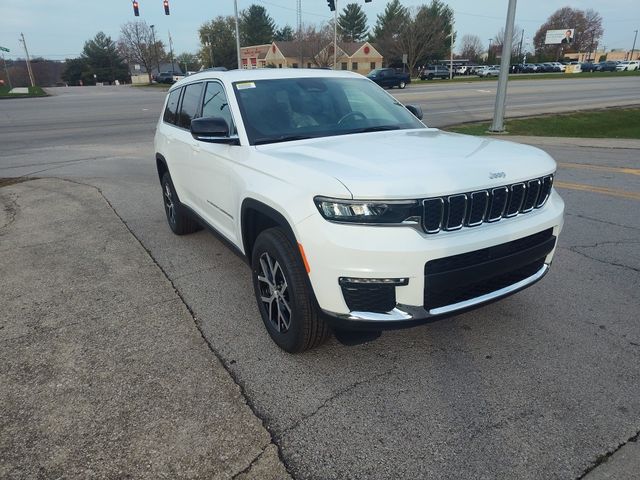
x,y
501,95
451,55
173,68
235,6
210,49
634,45
489,51
155,46
6,70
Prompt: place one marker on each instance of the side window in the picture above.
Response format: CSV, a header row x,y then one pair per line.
x,y
215,104
171,111
190,104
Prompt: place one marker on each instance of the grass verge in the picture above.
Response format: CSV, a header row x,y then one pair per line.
x,y
33,92
535,76
159,86
608,123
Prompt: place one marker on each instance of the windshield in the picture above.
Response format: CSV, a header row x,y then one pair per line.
x,y
287,109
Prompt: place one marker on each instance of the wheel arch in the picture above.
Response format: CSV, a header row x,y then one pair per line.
x,y
255,217
161,165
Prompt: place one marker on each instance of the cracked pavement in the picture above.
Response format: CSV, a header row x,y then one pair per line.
x,y
545,384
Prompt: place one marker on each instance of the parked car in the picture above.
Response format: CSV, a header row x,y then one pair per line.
x,y
434,71
349,211
588,67
628,65
389,77
608,66
489,72
169,77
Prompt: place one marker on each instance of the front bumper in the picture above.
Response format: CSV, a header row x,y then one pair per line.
x,y
334,251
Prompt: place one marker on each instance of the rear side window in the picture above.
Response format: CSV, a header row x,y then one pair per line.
x,y
190,105
170,113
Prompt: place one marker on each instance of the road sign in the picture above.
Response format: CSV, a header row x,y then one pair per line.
x,y
4,49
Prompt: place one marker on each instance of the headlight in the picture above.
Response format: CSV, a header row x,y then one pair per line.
x,y
370,212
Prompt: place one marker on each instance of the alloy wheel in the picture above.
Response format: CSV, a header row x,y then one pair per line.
x,y
169,204
274,293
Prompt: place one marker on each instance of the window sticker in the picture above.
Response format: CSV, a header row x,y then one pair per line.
x,y
245,85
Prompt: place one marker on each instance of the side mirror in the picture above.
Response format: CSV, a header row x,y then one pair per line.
x,y
416,110
212,130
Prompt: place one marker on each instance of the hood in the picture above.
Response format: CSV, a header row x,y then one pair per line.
x,y
414,163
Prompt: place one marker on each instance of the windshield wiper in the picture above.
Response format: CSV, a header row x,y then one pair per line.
x,y
286,138
378,128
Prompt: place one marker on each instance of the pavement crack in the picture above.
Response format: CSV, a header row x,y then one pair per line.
x,y
585,217
248,468
335,395
576,249
604,458
198,325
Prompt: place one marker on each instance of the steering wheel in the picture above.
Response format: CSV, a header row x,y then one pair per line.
x,y
352,116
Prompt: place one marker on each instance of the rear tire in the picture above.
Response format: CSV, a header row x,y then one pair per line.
x,y
285,300
180,222
402,85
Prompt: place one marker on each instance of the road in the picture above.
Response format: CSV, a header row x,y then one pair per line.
x,y
541,385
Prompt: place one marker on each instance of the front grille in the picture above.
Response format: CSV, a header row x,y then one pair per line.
x,y
369,298
469,275
471,209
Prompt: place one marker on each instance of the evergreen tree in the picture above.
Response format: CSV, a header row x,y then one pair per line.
x,y
256,26
221,31
103,59
352,23
284,34
388,27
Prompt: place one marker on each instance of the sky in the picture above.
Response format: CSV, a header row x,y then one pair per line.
x,y
57,29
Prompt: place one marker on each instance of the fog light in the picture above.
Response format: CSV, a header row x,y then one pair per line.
x,y
399,282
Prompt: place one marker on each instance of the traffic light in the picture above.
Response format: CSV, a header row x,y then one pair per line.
x,y
136,10
332,5
367,1
166,7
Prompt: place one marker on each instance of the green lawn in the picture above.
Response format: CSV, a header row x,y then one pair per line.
x,y
33,92
610,123
536,76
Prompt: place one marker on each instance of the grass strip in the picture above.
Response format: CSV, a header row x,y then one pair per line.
x,y
608,123
535,76
33,92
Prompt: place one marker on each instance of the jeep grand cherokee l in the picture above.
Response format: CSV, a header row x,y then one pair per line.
x,y
350,211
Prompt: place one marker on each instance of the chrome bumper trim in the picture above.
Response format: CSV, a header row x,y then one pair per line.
x,y
403,313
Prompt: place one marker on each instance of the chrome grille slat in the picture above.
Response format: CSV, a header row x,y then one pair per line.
x,y
453,212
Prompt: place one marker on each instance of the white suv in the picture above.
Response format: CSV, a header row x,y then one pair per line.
x,y
349,210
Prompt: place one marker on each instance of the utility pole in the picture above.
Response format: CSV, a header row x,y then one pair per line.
x,y
24,44
489,51
501,95
634,45
335,36
235,6
171,50
210,49
299,21
155,45
520,46
451,55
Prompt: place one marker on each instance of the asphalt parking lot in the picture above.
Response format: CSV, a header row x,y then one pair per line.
x,y
545,384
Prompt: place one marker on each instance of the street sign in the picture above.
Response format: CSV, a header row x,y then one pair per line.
x,y
405,58
4,49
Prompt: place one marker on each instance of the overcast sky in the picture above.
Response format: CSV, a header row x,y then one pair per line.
x,y
57,29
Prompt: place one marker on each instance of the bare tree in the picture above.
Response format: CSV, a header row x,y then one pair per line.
x,y
587,25
136,45
317,44
472,48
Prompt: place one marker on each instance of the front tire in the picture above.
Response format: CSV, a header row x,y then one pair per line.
x,y
284,297
180,222
402,85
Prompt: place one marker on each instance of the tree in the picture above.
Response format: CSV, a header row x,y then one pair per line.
x,y
219,36
425,35
352,23
103,59
387,29
317,43
188,61
498,42
256,26
587,35
76,71
472,48
284,34
136,43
